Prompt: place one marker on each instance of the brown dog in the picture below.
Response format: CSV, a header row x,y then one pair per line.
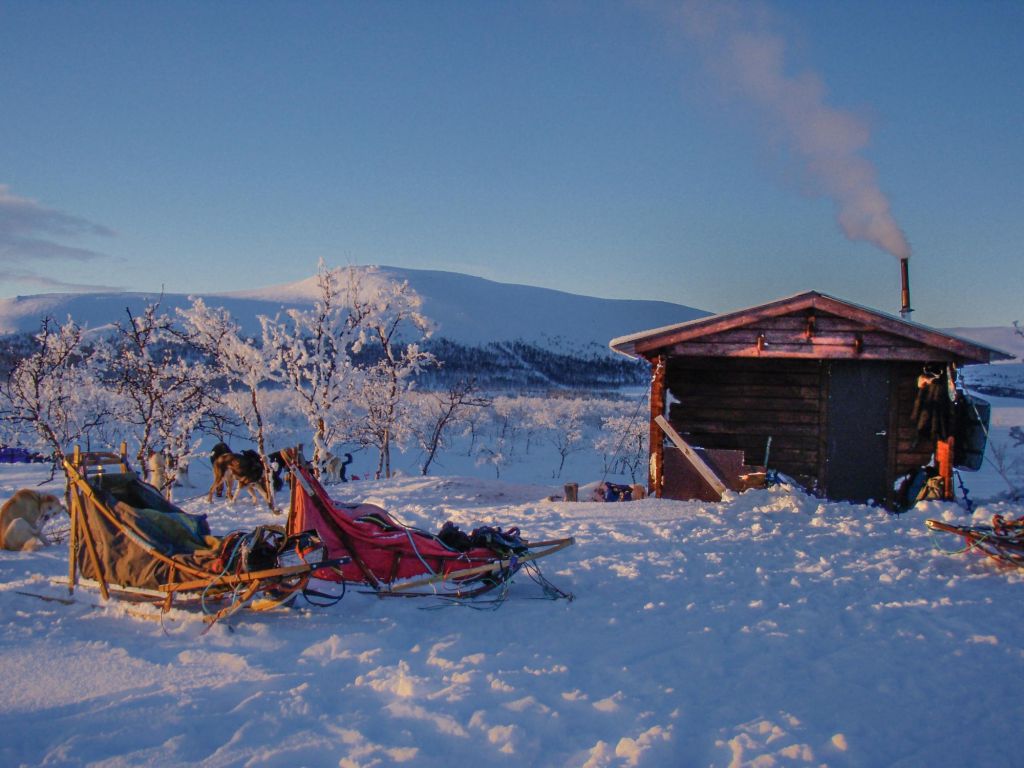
x,y
22,518
246,468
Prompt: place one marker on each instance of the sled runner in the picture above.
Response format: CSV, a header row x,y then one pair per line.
x,y
131,542
1003,540
396,560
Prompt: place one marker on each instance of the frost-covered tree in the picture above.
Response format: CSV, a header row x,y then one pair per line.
x,y
53,397
161,395
243,365
311,352
440,413
394,327
562,422
510,418
473,424
507,417
622,442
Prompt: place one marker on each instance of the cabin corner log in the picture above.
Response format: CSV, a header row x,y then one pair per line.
x,y
944,458
655,441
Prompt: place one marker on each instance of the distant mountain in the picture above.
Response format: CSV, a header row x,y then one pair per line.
x,y
468,310
505,336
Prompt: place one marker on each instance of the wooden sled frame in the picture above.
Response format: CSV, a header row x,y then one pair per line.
x,y
280,584
512,564
1005,550
461,584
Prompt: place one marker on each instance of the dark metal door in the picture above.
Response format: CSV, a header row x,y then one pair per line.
x,y
857,458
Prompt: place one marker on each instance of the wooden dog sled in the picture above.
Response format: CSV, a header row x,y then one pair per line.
x,y
132,543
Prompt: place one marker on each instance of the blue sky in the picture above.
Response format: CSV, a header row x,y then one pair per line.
x,y
688,152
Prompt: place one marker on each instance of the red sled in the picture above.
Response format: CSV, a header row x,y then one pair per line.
x,y
396,559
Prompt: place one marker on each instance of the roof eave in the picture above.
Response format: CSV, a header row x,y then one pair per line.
x,y
649,343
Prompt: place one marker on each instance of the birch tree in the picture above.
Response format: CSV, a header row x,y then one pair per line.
x,y
243,364
311,352
162,396
53,397
441,412
394,326
622,442
563,422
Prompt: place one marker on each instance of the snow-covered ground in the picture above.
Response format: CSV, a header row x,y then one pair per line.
x,y
770,629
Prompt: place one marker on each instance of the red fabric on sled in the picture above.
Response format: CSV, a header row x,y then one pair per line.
x,y
391,554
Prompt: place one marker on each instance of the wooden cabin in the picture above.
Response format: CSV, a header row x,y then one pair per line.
x,y
817,388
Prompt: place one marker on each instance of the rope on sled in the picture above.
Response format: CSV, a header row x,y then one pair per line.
x,y
551,592
938,548
995,545
229,561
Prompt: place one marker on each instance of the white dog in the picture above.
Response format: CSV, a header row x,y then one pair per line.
x,y
22,518
334,469
181,479
158,471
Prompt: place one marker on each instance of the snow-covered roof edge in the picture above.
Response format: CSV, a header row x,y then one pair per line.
x,y
626,345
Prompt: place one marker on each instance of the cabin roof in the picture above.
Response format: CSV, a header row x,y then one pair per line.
x,y
657,340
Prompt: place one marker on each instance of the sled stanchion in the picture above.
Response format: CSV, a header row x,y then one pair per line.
x,y
90,547
72,539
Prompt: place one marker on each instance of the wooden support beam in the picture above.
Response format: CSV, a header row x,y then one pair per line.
x,y
944,458
692,456
655,442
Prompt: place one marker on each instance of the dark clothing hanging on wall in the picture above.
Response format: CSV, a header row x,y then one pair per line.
x,y
933,413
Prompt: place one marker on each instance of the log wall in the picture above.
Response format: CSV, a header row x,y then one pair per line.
x,y
738,403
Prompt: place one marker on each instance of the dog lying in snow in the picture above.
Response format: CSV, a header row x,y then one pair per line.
x,y
22,518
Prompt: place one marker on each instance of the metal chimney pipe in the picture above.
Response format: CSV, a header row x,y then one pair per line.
x,y
905,309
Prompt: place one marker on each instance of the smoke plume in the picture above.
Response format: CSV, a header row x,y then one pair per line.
x,y
739,46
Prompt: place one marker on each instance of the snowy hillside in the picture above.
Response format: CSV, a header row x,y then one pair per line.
x,y
467,310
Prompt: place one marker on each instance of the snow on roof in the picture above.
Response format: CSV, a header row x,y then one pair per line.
x,y
626,345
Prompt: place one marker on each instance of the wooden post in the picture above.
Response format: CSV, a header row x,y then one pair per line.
x,y
944,458
655,442
70,498
572,492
